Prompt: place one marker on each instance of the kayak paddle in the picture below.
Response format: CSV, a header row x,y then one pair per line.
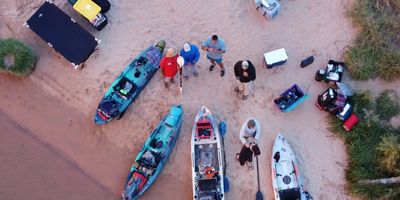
x,y
222,130
259,195
181,62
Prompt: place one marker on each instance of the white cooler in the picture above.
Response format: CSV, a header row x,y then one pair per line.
x,y
275,58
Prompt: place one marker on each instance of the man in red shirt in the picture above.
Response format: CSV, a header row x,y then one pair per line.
x,y
169,66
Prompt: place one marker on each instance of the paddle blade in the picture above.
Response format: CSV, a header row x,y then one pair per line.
x,y
222,128
259,196
180,61
226,184
308,196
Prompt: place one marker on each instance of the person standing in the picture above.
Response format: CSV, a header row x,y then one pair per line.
x,y
245,74
169,66
191,55
250,131
215,48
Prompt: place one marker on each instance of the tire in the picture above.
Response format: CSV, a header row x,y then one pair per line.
x,y
102,25
120,115
104,5
318,77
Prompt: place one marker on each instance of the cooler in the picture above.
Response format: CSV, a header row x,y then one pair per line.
x,y
275,58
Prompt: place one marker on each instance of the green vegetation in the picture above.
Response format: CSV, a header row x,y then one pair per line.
x,y
16,58
376,51
387,105
389,149
373,147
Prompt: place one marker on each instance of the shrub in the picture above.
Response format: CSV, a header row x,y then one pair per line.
x,y
367,149
16,58
389,150
376,51
387,105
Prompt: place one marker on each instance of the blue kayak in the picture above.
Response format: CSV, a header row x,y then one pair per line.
x,y
129,84
153,155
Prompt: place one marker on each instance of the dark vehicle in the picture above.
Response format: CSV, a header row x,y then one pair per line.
x,y
332,72
335,103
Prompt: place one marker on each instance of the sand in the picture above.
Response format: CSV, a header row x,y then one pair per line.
x,y
34,169
55,106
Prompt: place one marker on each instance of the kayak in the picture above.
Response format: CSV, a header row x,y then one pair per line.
x,y
208,157
285,172
129,84
153,155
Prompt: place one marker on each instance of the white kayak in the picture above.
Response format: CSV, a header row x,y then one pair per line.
x,y
285,172
208,159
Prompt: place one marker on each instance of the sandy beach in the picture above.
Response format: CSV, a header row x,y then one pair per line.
x,y
47,118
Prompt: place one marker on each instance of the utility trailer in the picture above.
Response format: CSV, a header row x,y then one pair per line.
x,y
63,34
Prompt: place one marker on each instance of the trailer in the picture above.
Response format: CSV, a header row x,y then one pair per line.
x,y
63,34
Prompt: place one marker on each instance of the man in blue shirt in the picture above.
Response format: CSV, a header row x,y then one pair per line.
x,y
191,55
215,48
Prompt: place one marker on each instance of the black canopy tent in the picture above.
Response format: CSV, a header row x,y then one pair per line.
x,y
62,33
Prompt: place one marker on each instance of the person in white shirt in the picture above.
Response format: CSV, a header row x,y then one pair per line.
x,y
250,131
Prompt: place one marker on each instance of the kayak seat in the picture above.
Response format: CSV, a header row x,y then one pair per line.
x,y
204,129
125,88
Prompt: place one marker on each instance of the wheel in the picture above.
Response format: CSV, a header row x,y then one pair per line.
x,y
318,76
120,115
104,5
100,26
72,2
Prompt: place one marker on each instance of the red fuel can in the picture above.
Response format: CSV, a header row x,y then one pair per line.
x,y
350,122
